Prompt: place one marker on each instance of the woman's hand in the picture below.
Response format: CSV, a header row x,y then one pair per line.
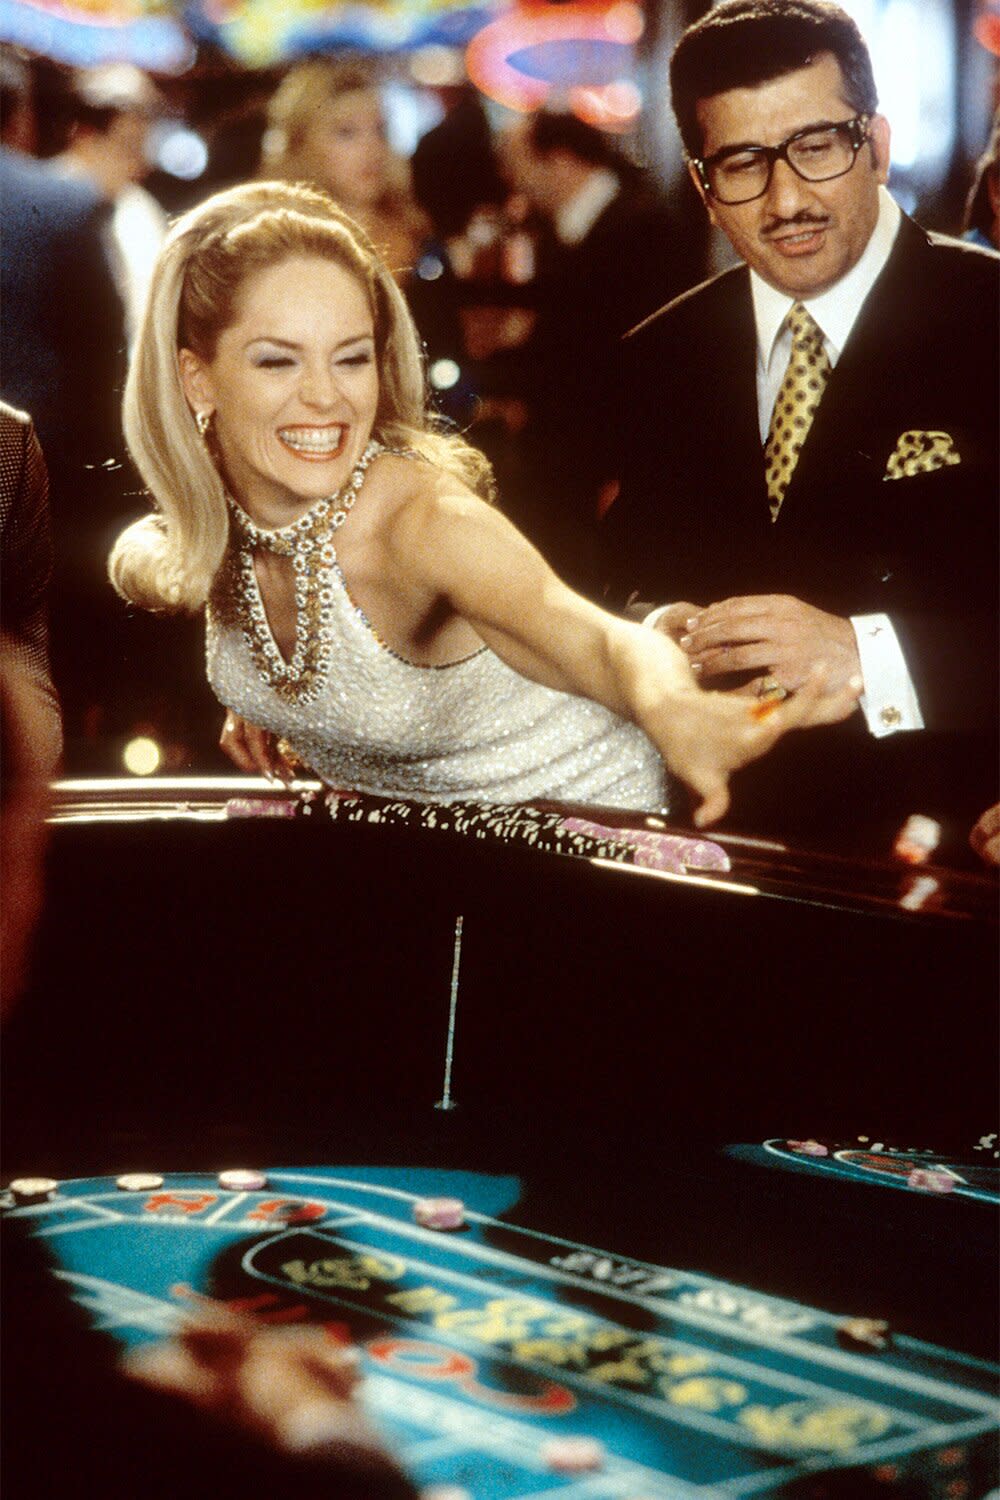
x,y
705,736
256,750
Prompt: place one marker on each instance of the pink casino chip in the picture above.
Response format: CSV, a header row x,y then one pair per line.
x,y
931,1181
439,1213
573,1455
809,1148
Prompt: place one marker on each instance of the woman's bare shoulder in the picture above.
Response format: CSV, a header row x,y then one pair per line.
x,y
415,490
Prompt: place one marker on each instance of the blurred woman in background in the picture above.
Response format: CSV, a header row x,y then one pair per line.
x,y
327,128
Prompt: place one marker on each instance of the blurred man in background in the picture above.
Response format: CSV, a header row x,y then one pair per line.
x,y
612,252
113,109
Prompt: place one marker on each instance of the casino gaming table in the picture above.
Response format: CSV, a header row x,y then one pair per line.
x,y
482,1344
687,1118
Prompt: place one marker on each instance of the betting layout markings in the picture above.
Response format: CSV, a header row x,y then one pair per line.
x,y
497,1435
677,1312
726,1430
877,1372
862,1366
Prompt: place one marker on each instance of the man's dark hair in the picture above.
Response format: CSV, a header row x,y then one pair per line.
x,y
552,131
743,43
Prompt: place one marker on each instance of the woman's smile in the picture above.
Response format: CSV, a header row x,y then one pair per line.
x,y
316,444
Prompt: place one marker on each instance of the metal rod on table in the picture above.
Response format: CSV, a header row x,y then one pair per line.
x,y
446,1101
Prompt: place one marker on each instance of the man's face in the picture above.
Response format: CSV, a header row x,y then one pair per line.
x,y
801,237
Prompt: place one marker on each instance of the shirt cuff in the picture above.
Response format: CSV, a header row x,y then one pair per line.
x,y
889,701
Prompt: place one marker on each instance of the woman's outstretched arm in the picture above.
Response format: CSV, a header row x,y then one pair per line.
x,y
468,552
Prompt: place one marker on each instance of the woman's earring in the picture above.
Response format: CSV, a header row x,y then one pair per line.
x,y
203,421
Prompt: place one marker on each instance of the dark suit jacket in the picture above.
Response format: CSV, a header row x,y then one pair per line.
x,y
637,253
692,519
62,338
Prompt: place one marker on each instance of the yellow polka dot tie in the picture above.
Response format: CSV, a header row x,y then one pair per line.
x,y
803,385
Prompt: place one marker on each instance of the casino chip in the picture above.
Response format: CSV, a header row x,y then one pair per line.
x,y
33,1189
139,1182
931,1180
865,1334
439,1213
573,1455
240,1180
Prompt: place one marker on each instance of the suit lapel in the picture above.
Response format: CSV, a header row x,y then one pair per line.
x,y
735,394
867,375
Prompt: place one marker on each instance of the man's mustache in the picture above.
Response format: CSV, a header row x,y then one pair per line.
x,y
804,220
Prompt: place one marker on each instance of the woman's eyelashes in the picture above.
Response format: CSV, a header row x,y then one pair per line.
x,y
285,361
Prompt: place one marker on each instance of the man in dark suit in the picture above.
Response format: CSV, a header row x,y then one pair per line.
x,y
611,250
62,358
62,340
824,487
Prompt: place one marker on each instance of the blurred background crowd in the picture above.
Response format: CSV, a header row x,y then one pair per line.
x,y
519,167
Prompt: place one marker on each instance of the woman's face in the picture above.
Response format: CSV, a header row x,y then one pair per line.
x,y
293,386
345,145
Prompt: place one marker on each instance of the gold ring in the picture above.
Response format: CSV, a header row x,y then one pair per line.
x,y
771,688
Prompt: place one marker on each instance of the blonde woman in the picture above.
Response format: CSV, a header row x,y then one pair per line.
x,y
326,127
365,601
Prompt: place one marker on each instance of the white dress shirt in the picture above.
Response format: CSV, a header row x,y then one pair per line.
x,y
889,701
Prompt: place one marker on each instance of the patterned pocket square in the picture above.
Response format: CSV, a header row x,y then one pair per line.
x,y
921,453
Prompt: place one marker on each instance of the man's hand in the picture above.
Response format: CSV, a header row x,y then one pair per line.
x,y
778,638
672,619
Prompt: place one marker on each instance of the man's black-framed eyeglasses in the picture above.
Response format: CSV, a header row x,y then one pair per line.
x,y
738,174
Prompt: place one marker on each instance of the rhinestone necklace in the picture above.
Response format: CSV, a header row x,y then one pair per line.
x,y
309,543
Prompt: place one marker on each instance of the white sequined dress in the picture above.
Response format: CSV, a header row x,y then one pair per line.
x,y
471,730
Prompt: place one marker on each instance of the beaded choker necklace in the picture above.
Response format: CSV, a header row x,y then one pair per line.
x,y
309,543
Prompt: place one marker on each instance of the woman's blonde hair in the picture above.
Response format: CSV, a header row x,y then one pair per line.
x,y
292,111
168,561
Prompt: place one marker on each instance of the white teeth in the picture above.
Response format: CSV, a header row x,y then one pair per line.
x,y
311,439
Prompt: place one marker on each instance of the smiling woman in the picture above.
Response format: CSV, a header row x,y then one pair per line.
x,y
425,649
293,399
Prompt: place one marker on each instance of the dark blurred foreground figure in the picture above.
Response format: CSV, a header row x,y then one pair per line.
x,y
810,462
226,1407
611,252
